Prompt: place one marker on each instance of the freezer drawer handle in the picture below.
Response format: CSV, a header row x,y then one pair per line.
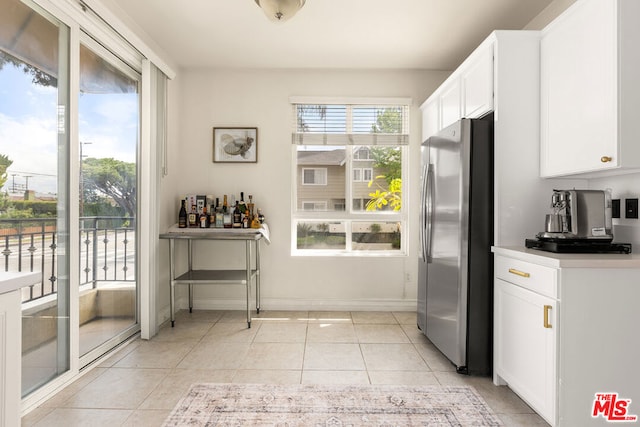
x,y
519,273
546,316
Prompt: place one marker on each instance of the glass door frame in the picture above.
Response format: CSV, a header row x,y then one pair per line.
x,y
125,68
80,19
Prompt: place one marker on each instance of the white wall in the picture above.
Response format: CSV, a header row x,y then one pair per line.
x,y
622,187
209,98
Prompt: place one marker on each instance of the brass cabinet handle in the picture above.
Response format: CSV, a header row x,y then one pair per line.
x,y
518,272
546,316
605,159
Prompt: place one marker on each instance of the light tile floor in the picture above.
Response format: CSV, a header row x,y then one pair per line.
x,y
140,384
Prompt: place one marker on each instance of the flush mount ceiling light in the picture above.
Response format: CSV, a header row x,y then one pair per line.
x,y
280,10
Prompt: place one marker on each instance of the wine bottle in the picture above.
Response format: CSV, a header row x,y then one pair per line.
x,y
182,215
242,206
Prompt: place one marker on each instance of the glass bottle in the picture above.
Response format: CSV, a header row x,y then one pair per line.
x,y
204,218
182,215
237,217
193,217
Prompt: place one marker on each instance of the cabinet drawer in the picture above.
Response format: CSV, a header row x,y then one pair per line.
x,y
537,278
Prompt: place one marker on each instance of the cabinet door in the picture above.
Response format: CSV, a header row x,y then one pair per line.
x,y
430,119
450,108
579,111
525,345
477,85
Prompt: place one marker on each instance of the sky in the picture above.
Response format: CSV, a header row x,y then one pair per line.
x,y
108,127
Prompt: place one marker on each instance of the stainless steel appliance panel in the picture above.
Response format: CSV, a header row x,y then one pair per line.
x,y
456,231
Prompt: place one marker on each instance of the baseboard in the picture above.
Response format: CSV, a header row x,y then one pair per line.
x,y
295,304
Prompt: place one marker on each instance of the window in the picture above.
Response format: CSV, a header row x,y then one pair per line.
x,y
316,176
314,206
362,174
349,160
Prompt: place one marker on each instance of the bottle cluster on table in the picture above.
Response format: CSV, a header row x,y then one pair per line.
x,y
197,211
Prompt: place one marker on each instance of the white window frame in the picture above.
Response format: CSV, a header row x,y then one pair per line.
x,y
349,216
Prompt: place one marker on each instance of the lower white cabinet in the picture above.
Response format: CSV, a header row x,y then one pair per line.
x,y
526,358
565,331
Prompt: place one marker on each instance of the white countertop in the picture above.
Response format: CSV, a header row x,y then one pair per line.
x,y
11,281
550,259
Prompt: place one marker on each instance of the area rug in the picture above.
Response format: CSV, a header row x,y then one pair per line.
x,y
330,406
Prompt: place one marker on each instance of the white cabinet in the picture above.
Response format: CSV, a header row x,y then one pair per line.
x,y
525,335
449,100
590,93
477,83
468,92
430,120
564,331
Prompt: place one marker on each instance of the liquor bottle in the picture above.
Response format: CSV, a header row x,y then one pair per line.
x,y
260,216
182,215
242,205
193,217
250,205
237,217
245,219
219,218
227,217
204,218
212,215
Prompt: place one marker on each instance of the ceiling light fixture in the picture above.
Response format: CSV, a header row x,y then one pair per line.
x,y
280,10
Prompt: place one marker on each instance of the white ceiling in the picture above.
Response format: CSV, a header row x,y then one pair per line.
x,y
373,34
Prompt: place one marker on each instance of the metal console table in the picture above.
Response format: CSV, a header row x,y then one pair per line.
x,y
200,277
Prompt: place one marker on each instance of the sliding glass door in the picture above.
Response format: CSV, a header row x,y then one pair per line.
x,y
34,181
109,117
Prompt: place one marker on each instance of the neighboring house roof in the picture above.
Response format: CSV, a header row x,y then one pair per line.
x,y
335,157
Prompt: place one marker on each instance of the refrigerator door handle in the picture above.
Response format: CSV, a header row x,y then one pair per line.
x,y
423,215
430,203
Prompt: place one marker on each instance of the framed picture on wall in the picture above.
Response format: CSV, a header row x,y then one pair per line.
x,y
235,145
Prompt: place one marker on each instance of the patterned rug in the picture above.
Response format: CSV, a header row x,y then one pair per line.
x,y
330,405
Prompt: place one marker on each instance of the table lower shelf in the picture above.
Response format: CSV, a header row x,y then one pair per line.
x,y
238,277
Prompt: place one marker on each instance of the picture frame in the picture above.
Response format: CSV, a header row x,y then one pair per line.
x,y
235,144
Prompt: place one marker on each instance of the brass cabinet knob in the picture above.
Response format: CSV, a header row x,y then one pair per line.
x,y
605,159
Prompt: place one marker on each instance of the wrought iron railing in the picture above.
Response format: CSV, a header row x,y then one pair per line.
x,y
107,251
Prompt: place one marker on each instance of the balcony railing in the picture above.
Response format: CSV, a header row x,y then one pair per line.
x,y
107,251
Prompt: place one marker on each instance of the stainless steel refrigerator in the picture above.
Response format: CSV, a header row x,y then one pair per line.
x,y
455,283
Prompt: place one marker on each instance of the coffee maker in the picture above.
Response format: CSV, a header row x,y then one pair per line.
x,y
578,215
579,222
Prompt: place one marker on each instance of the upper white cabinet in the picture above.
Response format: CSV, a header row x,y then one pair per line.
x,y
468,92
590,92
450,103
477,83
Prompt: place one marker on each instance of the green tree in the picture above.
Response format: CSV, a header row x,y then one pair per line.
x,y
112,178
5,162
389,161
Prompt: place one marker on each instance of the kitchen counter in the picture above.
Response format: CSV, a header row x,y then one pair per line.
x,y
10,281
554,260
